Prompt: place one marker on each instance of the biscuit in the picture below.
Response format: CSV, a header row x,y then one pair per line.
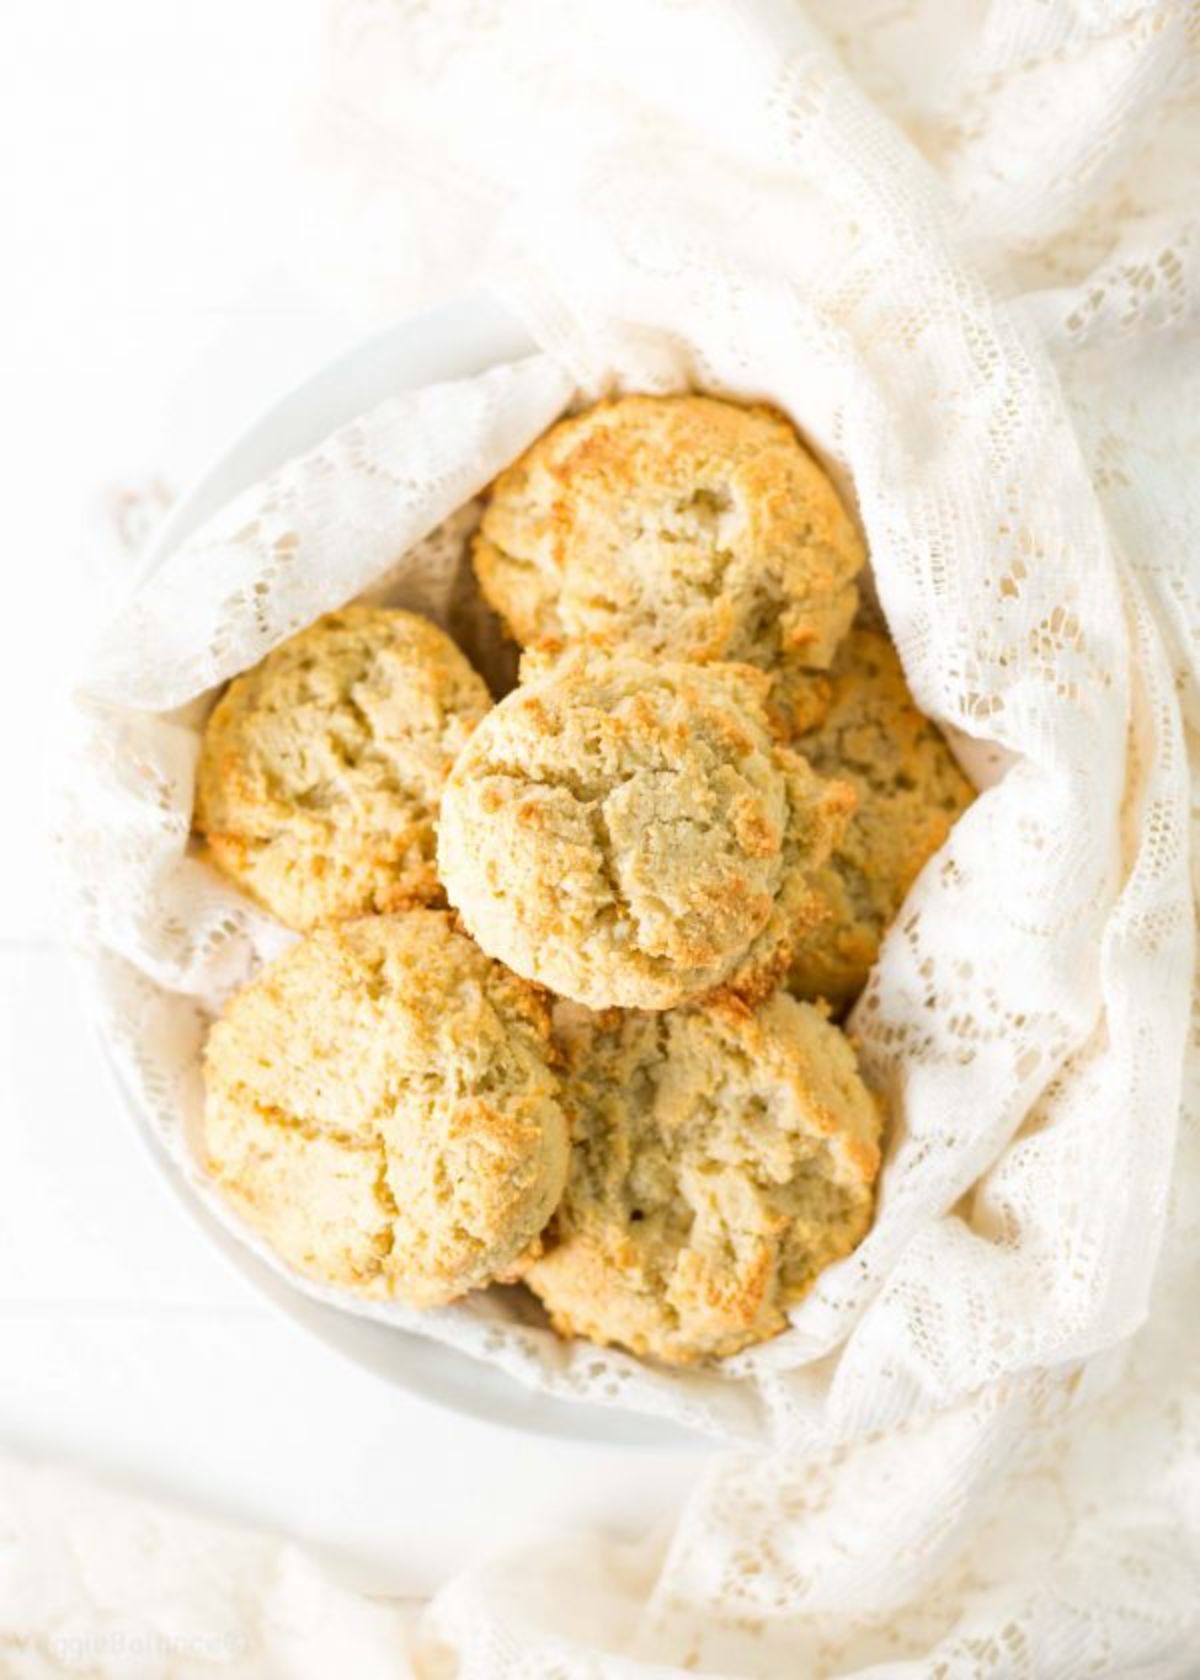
x,y
381,1106
321,769
721,1158
679,525
910,791
629,833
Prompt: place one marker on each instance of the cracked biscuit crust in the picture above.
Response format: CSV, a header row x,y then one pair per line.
x,y
910,792
322,768
722,1157
681,525
381,1107
629,833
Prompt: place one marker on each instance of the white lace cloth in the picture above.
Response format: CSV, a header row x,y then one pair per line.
x,y
958,244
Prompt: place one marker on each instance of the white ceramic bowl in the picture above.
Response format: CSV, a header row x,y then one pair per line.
x,y
453,342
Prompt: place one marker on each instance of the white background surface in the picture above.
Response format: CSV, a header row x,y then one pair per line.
x,y
151,304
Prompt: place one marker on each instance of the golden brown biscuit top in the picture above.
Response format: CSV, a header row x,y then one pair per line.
x,y
321,769
722,1156
681,525
380,1103
910,792
621,830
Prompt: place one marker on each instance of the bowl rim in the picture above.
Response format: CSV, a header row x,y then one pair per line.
x,y
458,339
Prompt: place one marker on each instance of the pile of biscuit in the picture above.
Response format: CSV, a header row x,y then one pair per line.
x,y
563,1006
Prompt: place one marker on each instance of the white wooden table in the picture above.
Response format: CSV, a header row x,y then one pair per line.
x,y
154,318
